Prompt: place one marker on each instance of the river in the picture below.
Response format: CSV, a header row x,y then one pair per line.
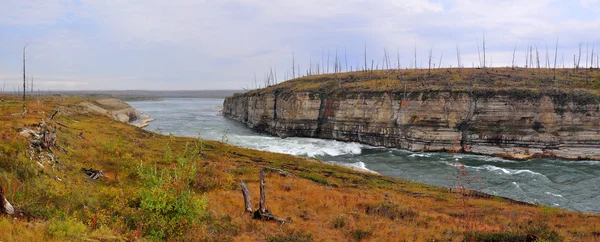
x,y
573,185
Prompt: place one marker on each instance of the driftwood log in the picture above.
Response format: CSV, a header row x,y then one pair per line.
x,y
262,212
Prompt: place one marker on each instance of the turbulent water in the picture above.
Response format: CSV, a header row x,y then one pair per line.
x,y
573,185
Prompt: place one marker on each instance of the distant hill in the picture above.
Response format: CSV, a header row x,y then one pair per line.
x,y
150,95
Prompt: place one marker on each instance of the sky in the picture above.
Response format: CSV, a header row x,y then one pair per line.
x,y
224,44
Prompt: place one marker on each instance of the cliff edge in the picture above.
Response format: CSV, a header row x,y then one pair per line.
x,y
511,113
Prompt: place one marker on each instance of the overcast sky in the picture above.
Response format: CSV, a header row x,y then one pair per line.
x,y
220,44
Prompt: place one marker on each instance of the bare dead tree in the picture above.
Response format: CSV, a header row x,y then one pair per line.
x,y
458,55
365,57
592,59
262,212
527,57
547,59
255,84
293,66
336,66
346,58
537,54
388,59
328,53
415,56
531,56
275,70
310,64
440,63
478,53
513,58
398,58
430,56
555,57
587,54
484,62
579,56
24,83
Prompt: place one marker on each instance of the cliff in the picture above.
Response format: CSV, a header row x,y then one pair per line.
x,y
113,108
500,112
156,187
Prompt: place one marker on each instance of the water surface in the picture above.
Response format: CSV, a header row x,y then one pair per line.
x,y
573,185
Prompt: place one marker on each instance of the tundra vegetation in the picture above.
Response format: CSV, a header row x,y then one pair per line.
x,y
154,187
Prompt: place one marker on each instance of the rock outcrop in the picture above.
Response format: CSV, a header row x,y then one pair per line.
x,y
515,124
114,108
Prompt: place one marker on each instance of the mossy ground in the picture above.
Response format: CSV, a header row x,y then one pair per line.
x,y
163,187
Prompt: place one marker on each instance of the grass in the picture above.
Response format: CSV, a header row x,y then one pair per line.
x,y
517,82
163,187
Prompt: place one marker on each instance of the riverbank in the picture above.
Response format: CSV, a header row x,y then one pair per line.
x,y
200,179
511,113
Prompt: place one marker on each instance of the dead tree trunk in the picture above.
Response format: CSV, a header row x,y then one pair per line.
x,y
263,197
262,212
247,202
24,84
513,57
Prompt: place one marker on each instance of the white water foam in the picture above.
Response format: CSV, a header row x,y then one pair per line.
x,y
506,170
517,185
297,146
358,165
553,194
421,155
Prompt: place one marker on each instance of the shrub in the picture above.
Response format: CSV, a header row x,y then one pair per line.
x,y
542,231
296,236
390,210
209,178
495,237
339,222
167,204
359,234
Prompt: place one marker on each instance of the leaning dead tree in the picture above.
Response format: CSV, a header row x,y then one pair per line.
x,y
24,82
262,212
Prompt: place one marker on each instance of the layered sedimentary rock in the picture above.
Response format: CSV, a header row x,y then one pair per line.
x,y
512,124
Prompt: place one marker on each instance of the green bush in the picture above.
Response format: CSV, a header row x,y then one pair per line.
x,y
167,204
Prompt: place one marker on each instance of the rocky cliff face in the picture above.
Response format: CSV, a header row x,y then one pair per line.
x,y
512,124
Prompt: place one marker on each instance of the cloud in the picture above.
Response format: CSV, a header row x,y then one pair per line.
x,y
593,5
207,44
